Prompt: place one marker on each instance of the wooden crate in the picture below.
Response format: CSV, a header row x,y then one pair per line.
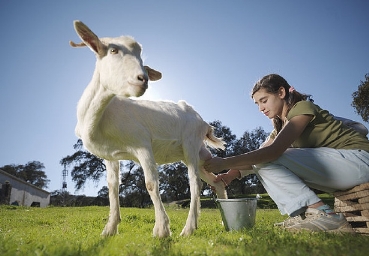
x,y
354,204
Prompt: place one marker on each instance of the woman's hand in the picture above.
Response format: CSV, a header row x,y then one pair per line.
x,y
214,165
227,178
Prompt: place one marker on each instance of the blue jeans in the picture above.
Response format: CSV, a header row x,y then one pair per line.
x,y
289,179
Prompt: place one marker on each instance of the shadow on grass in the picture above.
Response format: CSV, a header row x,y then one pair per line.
x,y
265,202
98,248
162,247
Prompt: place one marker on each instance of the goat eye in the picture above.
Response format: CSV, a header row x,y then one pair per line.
x,y
113,50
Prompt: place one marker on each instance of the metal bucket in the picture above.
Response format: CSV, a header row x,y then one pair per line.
x,y
237,213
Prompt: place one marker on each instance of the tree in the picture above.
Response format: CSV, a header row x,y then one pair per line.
x,y
32,173
361,99
133,186
248,142
174,184
103,192
85,165
228,137
60,198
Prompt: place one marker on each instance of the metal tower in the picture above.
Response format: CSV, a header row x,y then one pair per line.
x,y
65,174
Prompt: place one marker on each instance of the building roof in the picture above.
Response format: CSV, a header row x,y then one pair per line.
x,y
21,181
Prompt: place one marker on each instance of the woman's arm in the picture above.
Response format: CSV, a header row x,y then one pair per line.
x,y
239,174
290,132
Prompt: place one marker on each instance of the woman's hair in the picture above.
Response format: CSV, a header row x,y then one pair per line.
x,y
272,83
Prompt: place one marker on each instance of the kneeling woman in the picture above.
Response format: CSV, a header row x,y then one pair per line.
x,y
308,149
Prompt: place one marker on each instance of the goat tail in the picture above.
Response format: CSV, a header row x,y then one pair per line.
x,y
213,141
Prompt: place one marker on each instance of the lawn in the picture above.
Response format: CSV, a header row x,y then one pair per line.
x,y
76,231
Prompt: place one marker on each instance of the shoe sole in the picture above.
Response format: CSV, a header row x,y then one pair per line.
x,y
342,230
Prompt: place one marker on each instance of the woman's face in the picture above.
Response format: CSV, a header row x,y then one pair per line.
x,y
271,105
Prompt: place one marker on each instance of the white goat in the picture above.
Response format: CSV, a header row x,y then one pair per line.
x,y
114,127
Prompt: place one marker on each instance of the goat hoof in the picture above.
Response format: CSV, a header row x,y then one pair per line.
x,y
109,232
161,232
187,231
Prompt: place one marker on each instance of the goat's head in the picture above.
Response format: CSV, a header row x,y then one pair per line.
x,y
119,64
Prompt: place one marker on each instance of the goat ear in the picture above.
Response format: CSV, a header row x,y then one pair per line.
x,y
89,38
152,73
73,44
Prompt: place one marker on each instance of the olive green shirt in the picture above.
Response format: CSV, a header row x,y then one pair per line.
x,y
324,131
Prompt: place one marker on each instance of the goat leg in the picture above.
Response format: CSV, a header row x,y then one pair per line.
x,y
111,228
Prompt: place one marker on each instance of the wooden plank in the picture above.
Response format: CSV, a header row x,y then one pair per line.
x,y
355,195
362,230
365,213
351,208
357,219
354,204
354,189
341,203
349,214
364,200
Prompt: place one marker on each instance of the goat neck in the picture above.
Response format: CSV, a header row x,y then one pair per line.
x,y
91,108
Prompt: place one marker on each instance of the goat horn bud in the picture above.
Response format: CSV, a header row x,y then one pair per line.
x,y
73,44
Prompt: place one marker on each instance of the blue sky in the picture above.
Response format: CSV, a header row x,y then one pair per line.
x,y
210,52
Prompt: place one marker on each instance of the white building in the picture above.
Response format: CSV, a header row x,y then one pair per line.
x,y
21,192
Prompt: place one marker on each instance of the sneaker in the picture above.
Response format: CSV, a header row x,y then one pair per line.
x,y
317,220
289,222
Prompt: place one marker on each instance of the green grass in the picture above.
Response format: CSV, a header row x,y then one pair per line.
x,y
76,231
